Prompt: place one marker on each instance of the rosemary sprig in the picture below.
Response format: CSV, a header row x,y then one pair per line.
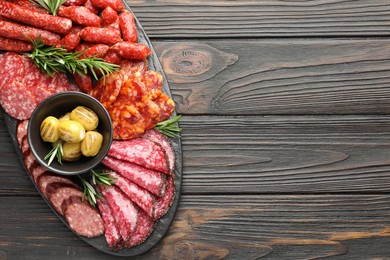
x,y
55,152
57,59
168,127
50,5
97,178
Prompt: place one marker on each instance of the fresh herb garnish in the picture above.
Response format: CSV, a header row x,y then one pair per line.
x,y
50,5
97,178
55,152
168,127
57,59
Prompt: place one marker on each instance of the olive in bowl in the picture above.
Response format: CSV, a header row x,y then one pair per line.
x,y
73,115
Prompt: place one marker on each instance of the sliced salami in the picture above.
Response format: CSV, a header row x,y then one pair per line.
x,y
161,139
153,181
142,152
82,218
144,228
47,178
17,100
21,131
37,171
28,159
143,198
12,66
164,203
58,192
124,211
111,229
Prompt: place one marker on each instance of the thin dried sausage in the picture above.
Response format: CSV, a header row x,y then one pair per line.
x,y
37,19
100,35
128,26
131,50
7,44
80,15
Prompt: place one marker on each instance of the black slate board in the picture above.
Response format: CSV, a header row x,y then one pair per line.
x,y
164,223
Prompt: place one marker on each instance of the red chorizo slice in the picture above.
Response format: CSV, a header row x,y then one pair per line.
x,y
100,35
154,182
124,211
47,178
36,19
164,203
25,33
161,139
7,44
166,105
17,100
57,193
111,228
80,15
128,26
144,228
144,199
127,121
117,5
82,218
131,50
142,152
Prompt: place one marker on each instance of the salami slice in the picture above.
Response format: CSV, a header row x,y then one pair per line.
x,y
144,199
21,131
12,66
111,229
123,209
37,171
144,228
48,178
161,139
142,152
17,100
58,192
164,203
28,159
82,218
153,181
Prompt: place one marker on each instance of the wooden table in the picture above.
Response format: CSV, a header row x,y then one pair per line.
x,y
286,135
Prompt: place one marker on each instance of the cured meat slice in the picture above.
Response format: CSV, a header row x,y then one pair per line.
x,y
144,199
153,181
144,228
28,159
21,131
58,192
111,229
82,218
37,171
164,203
47,178
17,100
12,66
124,211
161,139
142,152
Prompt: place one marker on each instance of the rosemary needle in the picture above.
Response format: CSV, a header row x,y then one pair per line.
x,y
169,127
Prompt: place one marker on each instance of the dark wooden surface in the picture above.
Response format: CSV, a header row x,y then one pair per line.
x,y
286,140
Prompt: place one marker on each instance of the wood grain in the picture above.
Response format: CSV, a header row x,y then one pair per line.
x,y
260,77
272,18
216,227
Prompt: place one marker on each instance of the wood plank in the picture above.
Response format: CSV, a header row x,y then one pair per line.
x,y
273,154
260,77
272,18
216,227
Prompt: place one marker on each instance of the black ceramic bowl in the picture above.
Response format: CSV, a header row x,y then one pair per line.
x,y
58,105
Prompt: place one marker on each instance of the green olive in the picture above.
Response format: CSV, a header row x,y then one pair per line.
x,y
64,117
49,129
86,117
71,151
91,144
71,131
